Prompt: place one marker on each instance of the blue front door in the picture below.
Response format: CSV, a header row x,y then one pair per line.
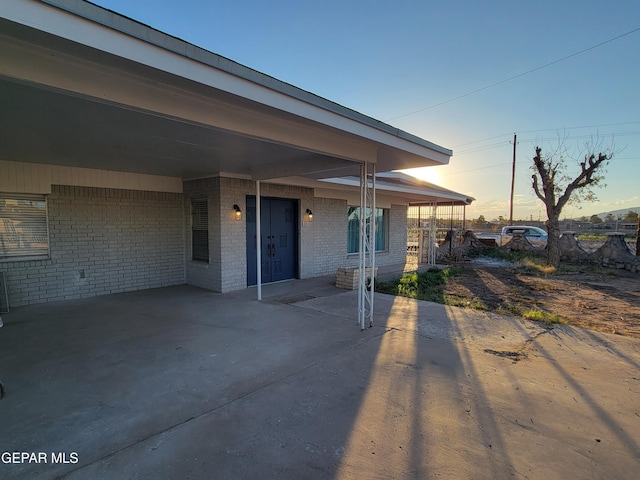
x,y
279,239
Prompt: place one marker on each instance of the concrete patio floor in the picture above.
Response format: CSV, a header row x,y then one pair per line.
x,y
184,383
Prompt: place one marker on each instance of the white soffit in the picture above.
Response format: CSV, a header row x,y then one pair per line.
x,y
91,25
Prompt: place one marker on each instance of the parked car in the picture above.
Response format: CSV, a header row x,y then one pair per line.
x,y
536,235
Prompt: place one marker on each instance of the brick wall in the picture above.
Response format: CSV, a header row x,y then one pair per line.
x,y
203,274
397,236
329,251
396,252
103,241
330,237
112,240
227,267
233,251
233,233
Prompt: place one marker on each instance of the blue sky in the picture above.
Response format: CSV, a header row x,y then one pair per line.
x,y
389,59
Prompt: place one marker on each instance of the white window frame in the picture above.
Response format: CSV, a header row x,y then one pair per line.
x,y
385,225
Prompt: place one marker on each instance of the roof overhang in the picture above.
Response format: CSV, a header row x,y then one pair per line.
x,y
83,86
391,187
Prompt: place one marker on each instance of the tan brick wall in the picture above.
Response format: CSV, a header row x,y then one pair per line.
x,y
329,237
114,240
330,242
202,274
227,268
103,241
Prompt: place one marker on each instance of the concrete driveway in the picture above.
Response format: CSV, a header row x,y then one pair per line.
x,y
183,383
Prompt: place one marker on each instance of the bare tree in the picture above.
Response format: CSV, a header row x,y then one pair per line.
x,y
555,188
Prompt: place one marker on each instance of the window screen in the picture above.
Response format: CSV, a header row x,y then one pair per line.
x,y
200,229
23,227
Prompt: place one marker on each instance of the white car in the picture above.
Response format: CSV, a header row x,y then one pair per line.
x,y
536,235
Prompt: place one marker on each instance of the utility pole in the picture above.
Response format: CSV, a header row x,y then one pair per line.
x,y
513,180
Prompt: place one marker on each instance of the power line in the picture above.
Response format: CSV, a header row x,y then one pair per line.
x,y
486,167
584,137
516,76
584,126
475,169
548,130
481,148
483,140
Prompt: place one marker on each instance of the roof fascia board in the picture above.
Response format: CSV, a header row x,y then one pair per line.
x,y
350,195
404,189
129,39
410,180
345,188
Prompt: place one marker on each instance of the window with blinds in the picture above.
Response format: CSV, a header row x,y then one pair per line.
x,y
200,229
353,229
23,227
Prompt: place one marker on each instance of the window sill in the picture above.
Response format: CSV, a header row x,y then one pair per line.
x,y
378,252
199,263
32,258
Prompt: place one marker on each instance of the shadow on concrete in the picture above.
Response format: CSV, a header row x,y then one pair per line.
x,y
163,383
589,393
426,411
607,343
184,383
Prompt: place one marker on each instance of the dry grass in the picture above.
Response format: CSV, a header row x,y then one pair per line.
x,y
597,298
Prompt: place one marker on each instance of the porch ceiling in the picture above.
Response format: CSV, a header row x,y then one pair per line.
x,y
66,102
45,126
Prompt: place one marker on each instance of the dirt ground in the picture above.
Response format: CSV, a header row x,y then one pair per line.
x,y
601,299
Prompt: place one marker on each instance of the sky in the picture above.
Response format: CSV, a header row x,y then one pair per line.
x,y
463,74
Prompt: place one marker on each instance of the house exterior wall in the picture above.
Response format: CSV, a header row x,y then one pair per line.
x,y
397,237
109,240
330,239
233,233
203,274
102,240
227,267
21,177
322,242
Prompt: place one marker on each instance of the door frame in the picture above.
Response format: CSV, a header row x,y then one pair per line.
x,y
251,241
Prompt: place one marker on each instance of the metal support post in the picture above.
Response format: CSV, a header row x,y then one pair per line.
x,y
258,243
367,256
433,234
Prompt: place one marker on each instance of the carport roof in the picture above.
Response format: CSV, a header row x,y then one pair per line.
x,y
416,191
84,86
391,187
136,29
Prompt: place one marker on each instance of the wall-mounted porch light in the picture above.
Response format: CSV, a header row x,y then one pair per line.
x,y
310,215
238,212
